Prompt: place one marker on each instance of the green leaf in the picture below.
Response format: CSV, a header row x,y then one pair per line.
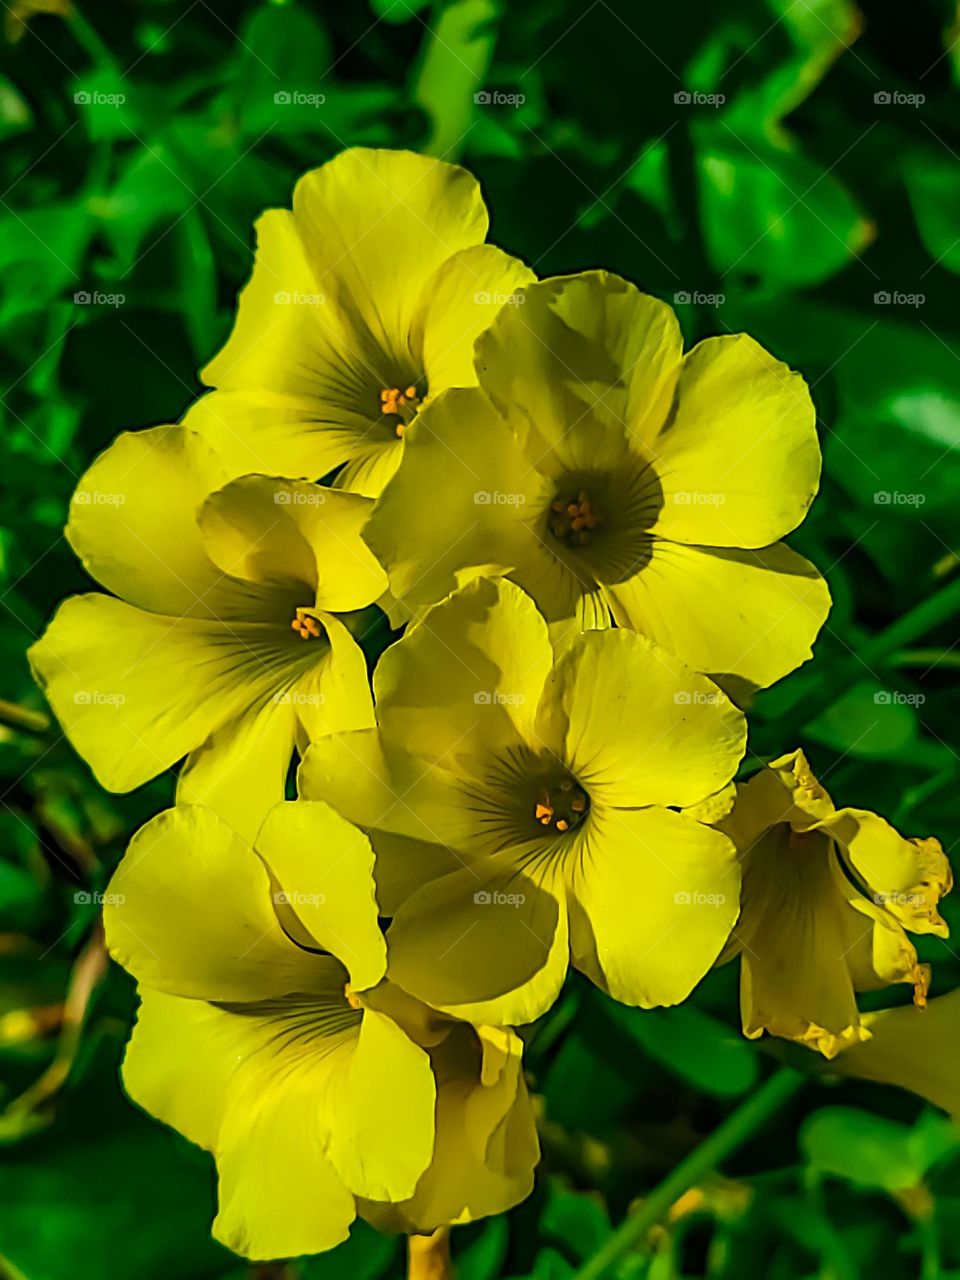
x,y
772,213
869,720
104,100
692,1045
872,1151
579,1223
933,185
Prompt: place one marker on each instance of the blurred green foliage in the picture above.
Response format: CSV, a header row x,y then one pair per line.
x,y
788,167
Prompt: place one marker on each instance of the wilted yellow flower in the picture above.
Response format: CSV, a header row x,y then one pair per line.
x,y
227,643
522,804
266,1035
827,895
616,479
363,305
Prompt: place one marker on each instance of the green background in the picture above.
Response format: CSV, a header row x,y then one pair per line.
x,y
811,172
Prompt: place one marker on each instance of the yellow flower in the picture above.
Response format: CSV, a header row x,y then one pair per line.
x,y
364,303
915,1048
226,644
614,478
267,1036
486,1145
827,895
255,1038
522,806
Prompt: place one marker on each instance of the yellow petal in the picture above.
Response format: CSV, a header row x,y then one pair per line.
x,y
752,614
636,726
906,877
657,894
469,678
324,871
486,944
461,497
136,692
461,299
797,932
584,364
241,769
739,462
217,936
376,225
133,520
913,1048
379,1110
286,532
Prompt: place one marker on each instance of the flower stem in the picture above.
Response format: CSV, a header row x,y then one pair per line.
x,y
428,1257
723,1142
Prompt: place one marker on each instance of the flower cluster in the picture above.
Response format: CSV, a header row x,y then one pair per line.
x,y
576,527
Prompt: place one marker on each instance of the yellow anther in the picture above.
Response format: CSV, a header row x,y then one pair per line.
x,y
305,625
353,1000
561,806
572,519
401,405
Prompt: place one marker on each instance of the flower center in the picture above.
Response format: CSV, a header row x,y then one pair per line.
x,y
562,807
400,405
573,519
305,625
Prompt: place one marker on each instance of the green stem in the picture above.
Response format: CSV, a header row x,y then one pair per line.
x,y
925,658
723,1142
456,57
938,608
